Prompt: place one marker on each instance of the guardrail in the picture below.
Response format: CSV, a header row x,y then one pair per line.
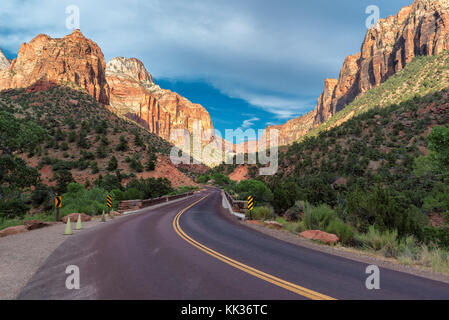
x,y
129,205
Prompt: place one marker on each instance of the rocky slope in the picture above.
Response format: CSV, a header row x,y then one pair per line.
x,y
73,60
136,96
4,62
419,29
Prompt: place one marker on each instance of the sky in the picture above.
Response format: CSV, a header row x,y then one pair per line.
x,y
250,63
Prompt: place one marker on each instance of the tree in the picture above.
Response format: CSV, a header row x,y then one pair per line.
x,y
150,165
19,135
438,142
256,189
63,178
123,145
112,164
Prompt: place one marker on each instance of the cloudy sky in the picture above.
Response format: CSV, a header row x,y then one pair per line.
x,y
248,62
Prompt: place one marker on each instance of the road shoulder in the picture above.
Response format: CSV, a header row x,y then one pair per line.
x,y
348,253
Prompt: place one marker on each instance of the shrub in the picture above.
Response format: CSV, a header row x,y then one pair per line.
x,y
112,164
132,194
318,217
255,188
203,179
341,229
385,241
12,208
262,213
80,200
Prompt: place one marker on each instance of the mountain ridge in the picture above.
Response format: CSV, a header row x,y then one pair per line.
x,y
419,29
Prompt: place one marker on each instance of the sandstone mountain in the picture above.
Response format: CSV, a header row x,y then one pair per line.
x,y
419,29
124,85
4,62
73,60
135,95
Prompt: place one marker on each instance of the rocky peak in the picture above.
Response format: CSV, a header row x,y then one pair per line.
x,y
4,62
419,29
136,96
132,68
73,60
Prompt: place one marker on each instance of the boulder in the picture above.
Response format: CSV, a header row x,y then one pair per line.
x,y
319,235
74,217
115,213
12,230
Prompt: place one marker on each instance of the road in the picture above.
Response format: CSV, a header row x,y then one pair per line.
x,y
193,249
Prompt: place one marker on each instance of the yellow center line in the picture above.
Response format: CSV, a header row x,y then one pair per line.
x,y
236,264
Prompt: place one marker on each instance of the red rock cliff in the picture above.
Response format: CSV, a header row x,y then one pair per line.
x,y
135,95
419,29
72,60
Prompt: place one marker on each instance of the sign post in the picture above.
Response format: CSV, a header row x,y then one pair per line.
x,y
250,207
58,204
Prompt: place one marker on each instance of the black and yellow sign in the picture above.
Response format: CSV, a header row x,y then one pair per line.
x,y
109,201
250,203
58,202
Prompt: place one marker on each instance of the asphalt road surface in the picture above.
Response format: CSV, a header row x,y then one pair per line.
x,y
193,249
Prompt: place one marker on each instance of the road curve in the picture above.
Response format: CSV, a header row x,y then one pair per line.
x,y
193,249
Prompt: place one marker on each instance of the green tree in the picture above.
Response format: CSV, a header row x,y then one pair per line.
x,y
112,164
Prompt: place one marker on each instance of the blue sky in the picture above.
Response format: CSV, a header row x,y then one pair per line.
x,y
249,63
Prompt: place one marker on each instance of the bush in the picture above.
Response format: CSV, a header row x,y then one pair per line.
x,y
221,179
132,194
80,200
12,209
318,217
262,213
260,192
385,241
112,164
151,187
203,179
341,229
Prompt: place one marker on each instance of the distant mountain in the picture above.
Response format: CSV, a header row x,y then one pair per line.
x,y
419,29
136,96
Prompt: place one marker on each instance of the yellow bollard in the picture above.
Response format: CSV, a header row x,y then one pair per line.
x,y
68,228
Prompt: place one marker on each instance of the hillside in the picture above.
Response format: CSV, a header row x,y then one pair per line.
x,y
83,137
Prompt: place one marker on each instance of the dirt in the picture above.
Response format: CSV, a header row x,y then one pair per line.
x,y
240,173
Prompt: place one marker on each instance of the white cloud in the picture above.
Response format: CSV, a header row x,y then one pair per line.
x,y
248,123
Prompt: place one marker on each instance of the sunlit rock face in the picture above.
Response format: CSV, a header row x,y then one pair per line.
x,y
419,29
73,60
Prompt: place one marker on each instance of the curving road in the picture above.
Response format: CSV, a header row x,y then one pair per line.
x,y
193,249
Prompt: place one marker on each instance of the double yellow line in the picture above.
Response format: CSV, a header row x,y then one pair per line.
x,y
257,273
